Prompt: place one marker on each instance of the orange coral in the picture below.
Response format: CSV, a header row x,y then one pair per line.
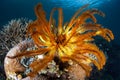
x,y
71,41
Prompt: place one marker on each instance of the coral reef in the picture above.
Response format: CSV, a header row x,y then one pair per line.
x,y
13,33
16,65
70,42
10,35
54,52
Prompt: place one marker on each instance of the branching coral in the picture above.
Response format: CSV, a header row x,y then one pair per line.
x,y
13,33
71,41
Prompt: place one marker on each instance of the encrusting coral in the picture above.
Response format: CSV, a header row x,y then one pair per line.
x,y
12,66
69,42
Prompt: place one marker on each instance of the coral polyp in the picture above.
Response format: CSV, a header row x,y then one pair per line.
x,y
71,41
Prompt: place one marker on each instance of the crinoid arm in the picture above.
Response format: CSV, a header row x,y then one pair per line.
x,y
30,53
39,64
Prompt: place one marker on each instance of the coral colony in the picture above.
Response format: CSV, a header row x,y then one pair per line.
x,y
72,41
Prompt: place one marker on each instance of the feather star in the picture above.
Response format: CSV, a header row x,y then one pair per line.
x,y
71,41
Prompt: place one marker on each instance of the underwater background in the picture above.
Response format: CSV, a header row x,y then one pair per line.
x,y
11,9
14,9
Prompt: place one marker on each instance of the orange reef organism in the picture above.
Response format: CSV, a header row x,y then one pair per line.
x,y
71,41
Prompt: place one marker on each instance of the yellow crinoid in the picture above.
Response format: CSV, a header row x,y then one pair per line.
x,y
71,41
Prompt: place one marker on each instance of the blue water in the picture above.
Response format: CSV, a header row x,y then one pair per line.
x,y
11,9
